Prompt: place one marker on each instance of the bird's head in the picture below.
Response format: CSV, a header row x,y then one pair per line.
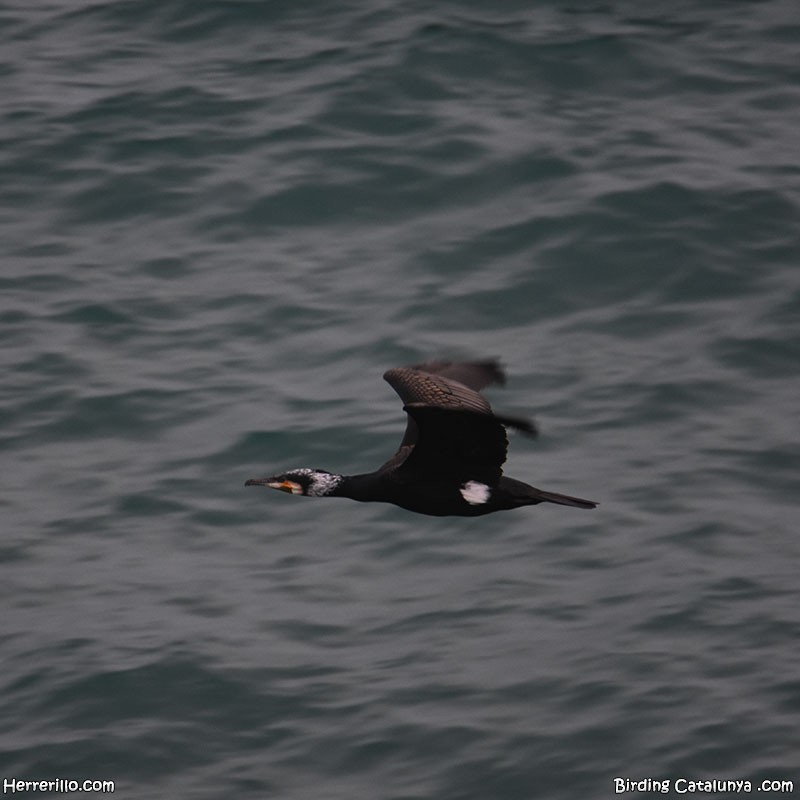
x,y
308,482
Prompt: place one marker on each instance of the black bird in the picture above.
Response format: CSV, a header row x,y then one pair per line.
x,y
450,461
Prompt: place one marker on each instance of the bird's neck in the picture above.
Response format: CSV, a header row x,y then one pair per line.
x,y
358,487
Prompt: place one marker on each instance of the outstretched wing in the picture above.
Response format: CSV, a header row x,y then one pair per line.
x,y
458,413
445,384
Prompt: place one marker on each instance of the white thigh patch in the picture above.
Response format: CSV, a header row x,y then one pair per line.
x,y
475,493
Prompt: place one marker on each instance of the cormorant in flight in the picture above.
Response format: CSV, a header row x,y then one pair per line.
x,y
450,461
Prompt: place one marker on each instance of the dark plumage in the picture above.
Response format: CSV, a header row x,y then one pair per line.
x,y
450,461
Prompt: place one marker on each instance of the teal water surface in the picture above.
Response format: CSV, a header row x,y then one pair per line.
x,y
223,221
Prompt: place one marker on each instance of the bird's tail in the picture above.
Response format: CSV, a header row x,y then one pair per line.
x,y
539,496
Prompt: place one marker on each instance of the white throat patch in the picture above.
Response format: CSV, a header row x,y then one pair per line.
x,y
475,493
321,483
